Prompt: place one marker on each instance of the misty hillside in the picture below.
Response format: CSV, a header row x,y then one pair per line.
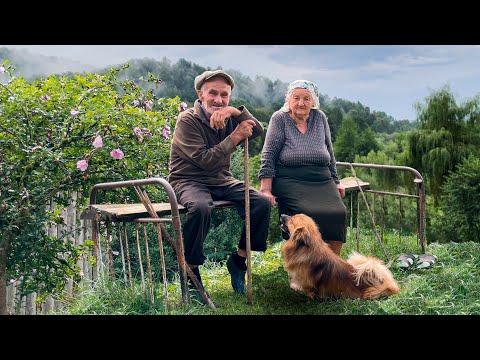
x,y
261,95
177,79
30,65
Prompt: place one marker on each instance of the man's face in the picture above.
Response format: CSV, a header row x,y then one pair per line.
x,y
214,94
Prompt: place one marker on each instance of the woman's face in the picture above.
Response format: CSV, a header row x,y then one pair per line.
x,y
300,102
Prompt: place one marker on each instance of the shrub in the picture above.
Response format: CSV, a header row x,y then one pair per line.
x,y
59,135
460,216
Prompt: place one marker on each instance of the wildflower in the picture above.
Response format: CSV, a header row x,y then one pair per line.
x,y
2,69
45,98
183,106
136,103
11,99
82,274
148,105
82,165
117,154
98,142
74,112
166,132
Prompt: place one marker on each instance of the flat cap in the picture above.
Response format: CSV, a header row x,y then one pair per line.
x,y
200,79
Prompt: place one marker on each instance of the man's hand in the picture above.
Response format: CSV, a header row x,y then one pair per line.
x,y
242,131
217,120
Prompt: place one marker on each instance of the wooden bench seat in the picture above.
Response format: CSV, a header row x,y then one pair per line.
x,y
129,212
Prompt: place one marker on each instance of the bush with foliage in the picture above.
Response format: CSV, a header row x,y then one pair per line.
x,y
448,134
60,135
459,218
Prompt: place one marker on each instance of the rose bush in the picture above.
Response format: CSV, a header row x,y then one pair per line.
x,y
60,135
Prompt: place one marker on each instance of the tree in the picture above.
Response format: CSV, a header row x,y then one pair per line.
x,y
347,140
460,219
59,135
366,143
335,118
448,134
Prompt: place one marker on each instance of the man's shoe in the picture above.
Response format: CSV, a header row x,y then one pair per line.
x,y
195,294
237,276
193,289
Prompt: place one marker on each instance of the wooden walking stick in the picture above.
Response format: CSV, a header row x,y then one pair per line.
x,y
247,224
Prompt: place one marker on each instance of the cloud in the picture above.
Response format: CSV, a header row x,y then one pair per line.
x,y
389,78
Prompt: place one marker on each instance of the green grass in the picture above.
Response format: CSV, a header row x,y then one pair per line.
x,y
451,287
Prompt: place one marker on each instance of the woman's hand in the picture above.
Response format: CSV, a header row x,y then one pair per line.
x,y
269,195
341,190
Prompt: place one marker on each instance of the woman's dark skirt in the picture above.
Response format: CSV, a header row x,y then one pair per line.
x,y
311,190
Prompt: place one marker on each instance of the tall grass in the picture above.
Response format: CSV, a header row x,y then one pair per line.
x,y
450,287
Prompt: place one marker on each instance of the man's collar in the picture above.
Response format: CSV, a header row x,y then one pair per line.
x,y
204,113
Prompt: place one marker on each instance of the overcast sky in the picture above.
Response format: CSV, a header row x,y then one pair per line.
x,y
389,78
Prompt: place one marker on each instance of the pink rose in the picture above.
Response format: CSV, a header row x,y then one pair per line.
x,y
117,154
98,142
148,105
166,132
82,165
183,106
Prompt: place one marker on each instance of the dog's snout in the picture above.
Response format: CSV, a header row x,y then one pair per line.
x,y
284,218
283,226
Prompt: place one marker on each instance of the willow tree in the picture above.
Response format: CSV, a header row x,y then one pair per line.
x,y
448,133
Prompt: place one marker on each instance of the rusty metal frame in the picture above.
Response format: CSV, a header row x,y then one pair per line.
x,y
420,193
174,213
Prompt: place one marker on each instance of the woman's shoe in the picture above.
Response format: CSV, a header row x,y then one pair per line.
x,y
404,261
426,261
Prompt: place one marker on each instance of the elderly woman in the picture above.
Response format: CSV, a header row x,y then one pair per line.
x,y
298,165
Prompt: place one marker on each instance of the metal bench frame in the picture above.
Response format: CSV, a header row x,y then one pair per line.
x,y
146,212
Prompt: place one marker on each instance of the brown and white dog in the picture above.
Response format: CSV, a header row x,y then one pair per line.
x,y
314,268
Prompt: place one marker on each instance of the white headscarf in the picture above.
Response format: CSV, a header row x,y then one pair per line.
x,y
302,84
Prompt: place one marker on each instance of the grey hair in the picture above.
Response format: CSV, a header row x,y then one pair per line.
x,y
286,107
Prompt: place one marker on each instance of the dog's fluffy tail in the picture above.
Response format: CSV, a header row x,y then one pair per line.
x,y
372,273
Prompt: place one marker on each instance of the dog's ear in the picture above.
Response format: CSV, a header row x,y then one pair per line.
x,y
302,236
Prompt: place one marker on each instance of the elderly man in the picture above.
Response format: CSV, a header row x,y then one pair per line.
x,y
204,139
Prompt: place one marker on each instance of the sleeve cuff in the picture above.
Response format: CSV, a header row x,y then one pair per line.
x,y
228,145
